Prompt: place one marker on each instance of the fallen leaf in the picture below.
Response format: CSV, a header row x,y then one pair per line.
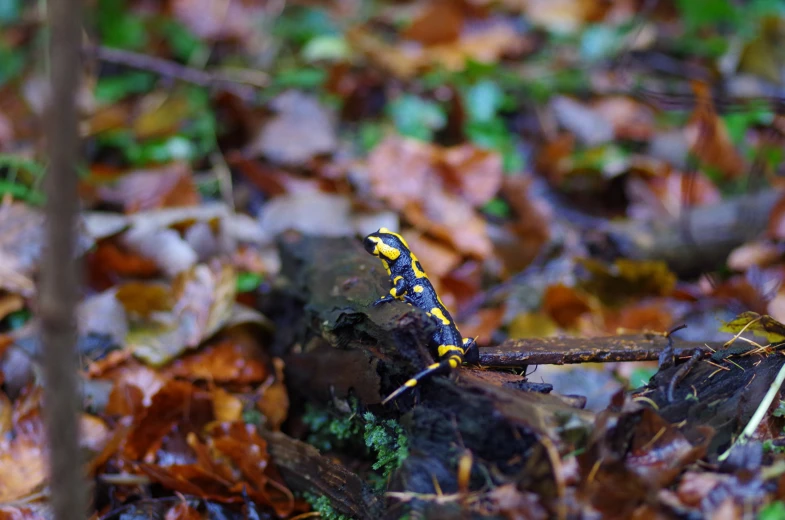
x,y
274,401
409,175
143,190
708,136
483,41
625,279
301,129
761,325
177,405
564,305
204,299
226,407
216,21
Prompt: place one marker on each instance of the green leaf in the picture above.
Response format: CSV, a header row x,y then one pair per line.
x,y
301,24
119,27
10,11
303,77
697,14
497,207
641,376
773,511
183,43
483,100
247,282
416,117
12,62
326,47
114,88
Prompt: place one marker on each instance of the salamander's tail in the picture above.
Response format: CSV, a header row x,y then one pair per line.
x,y
441,367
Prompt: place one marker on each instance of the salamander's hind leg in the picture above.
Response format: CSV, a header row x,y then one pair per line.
x,y
384,299
442,367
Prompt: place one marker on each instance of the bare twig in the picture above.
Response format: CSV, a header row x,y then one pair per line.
x,y
59,275
240,84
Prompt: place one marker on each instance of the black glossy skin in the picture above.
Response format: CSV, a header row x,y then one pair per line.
x,y
411,284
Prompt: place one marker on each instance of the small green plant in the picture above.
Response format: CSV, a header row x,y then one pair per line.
x,y
322,505
21,178
388,440
773,511
384,439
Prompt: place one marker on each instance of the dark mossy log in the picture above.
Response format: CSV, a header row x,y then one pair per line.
x,y
305,470
560,351
354,348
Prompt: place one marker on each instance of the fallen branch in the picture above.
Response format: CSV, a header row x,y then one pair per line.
x,y
241,87
562,351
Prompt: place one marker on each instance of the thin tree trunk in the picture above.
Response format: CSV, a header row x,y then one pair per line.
x,y
60,273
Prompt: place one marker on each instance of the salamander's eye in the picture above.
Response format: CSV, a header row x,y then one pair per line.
x,y
370,245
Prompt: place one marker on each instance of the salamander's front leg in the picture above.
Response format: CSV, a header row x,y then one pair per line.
x,y
398,292
471,354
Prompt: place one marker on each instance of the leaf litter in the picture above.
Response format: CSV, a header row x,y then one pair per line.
x,y
504,140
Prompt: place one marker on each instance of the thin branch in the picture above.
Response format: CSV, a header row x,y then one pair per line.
x,y
60,272
242,83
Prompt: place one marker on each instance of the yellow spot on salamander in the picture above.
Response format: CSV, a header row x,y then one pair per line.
x,y
395,280
436,311
435,365
410,383
418,288
393,292
454,361
444,349
386,266
416,267
384,251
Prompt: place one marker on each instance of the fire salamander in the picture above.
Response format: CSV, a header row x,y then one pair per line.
x,y
411,285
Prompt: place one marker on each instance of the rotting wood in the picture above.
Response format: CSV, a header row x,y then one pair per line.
x,y
561,351
306,470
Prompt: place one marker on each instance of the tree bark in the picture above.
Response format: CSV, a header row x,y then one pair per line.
x,y
60,273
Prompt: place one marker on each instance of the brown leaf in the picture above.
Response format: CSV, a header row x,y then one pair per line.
x,y
110,262
708,137
226,407
564,305
204,298
413,178
483,41
274,401
169,186
440,22
177,404
232,361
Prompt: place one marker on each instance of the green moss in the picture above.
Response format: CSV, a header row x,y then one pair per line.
x,y
322,505
383,441
387,439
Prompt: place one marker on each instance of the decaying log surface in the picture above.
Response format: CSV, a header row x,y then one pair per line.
x,y
306,470
342,347
355,349
560,351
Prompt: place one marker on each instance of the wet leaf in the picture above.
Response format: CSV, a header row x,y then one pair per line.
x,y
761,325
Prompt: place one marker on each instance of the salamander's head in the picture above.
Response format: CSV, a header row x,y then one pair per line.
x,y
386,245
